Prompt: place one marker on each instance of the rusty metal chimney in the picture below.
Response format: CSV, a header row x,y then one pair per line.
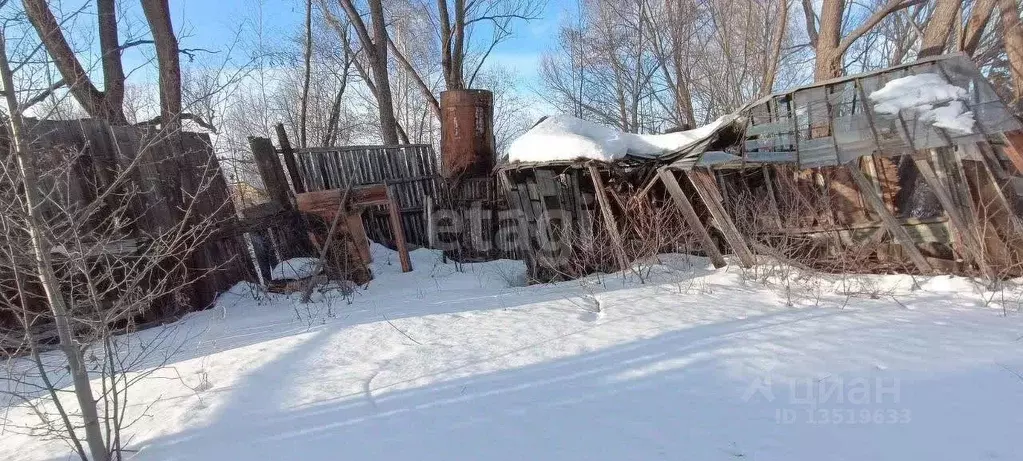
x,y
467,133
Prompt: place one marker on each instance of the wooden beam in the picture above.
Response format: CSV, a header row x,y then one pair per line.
x,y
870,194
707,189
289,159
291,236
772,199
1014,149
679,197
325,202
270,171
357,229
609,218
959,221
399,232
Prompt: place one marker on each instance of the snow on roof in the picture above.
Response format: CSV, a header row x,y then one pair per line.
x,y
563,137
930,97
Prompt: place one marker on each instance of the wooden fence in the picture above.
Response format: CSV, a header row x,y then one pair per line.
x,y
410,171
462,217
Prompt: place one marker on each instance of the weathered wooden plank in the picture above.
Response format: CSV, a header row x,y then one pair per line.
x,y
703,182
970,239
271,172
679,197
325,202
289,159
890,223
609,219
399,233
1014,149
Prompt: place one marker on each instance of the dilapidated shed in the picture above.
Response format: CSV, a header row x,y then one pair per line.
x,y
911,168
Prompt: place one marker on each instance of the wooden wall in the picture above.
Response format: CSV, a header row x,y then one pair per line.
x,y
170,180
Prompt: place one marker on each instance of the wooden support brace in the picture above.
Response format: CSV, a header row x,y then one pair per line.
x,y
679,197
270,171
399,232
289,159
771,198
959,221
870,194
705,186
609,218
1014,149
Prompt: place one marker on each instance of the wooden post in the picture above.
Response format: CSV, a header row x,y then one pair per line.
x,y
1014,149
292,236
357,229
289,159
609,218
775,210
955,215
705,187
399,232
870,194
271,172
679,197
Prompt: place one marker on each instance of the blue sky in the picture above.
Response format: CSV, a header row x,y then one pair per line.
x,y
212,24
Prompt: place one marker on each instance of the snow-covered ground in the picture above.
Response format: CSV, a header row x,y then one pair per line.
x,y
696,363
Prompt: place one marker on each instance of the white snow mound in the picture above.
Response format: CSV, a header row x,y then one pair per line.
x,y
930,97
295,269
563,137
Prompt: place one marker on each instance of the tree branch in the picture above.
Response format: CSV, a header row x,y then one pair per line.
x,y
184,116
423,88
41,96
811,22
879,15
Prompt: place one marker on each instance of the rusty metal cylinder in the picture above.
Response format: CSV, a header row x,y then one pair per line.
x,y
467,133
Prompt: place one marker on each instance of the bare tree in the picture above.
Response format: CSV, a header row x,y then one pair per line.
x,y
158,16
975,26
100,104
374,46
42,249
939,27
307,75
827,38
1012,33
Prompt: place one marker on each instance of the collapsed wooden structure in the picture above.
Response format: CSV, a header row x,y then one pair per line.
x,y
813,172
149,182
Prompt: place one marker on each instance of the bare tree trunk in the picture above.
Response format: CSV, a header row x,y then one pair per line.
x,y
47,278
939,26
457,80
72,72
829,57
113,71
302,118
334,119
771,70
452,43
979,18
158,16
424,89
1012,34
376,51
831,46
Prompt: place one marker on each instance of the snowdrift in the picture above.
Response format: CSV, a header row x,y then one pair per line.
x,y
563,137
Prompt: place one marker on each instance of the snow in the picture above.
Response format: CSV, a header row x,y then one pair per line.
x,y
930,97
695,363
295,269
563,137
